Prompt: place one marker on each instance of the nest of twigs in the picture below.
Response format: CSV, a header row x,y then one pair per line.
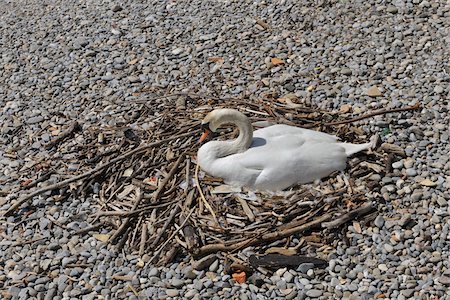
x,y
152,199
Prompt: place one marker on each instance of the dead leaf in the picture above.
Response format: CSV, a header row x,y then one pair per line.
x,y
373,91
262,24
375,167
276,61
428,182
169,154
310,88
286,291
133,62
128,172
26,182
246,209
393,149
345,108
140,263
215,59
122,277
357,227
280,250
102,237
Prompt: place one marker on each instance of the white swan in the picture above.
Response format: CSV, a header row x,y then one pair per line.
x,y
272,158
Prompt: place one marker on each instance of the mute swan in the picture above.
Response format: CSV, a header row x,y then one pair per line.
x,y
272,158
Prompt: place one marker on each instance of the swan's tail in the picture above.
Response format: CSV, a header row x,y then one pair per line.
x,y
351,149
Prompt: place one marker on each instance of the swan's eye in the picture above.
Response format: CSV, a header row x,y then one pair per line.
x,y
205,126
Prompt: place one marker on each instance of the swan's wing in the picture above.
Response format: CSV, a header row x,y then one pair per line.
x,y
286,130
289,159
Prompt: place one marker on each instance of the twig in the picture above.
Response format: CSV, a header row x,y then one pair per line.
x,y
174,211
44,177
265,238
376,113
351,215
197,183
65,134
143,239
157,252
168,178
66,182
87,229
127,220
132,212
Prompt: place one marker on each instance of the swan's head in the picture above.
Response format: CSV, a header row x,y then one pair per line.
x,y
218,117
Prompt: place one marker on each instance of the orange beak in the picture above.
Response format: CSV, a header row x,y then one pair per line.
x,y
204,135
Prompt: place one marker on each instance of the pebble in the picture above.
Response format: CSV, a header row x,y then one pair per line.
x,y
314,293
379,221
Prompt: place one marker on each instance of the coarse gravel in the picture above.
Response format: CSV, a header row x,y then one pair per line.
x,y
62,61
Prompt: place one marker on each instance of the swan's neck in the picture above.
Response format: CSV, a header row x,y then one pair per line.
x,y
218,149
241,143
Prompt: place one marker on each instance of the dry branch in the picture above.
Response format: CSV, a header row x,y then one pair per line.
x,y
65,134
351,215
266,238
376,113
91,172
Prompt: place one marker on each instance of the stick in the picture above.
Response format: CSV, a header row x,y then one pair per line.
x,y
65,134
165,226
66,182
376,113
143,239
197,183
168,178
351,215
264,239
127,220
156,253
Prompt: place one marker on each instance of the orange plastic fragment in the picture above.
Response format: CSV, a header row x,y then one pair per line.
x,y
240,277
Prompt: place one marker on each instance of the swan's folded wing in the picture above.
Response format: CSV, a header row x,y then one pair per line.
x,y
281,130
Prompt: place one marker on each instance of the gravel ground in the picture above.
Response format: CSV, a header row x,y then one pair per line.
x,y
86,60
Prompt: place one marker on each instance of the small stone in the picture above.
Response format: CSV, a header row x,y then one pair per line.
x,y
441,201
154,272
379,221
374,92
438,89
445,280
411,172
397,164
116,8
134,79
177,282
305,267
346,71
172,292
288,276
383,267
177,51
388,247
214,266
34,120
314,293
408,293
392,9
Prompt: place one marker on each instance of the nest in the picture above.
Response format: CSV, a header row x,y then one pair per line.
x,y
150,197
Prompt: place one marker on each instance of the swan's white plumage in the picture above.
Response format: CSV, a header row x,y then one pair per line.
x,y
279,156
